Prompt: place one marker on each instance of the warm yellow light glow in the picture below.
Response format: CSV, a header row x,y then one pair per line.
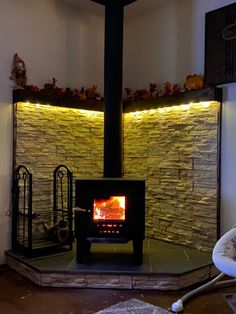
x,y
90,112
206,104
173,109
186,107
137,114
33,106
43,106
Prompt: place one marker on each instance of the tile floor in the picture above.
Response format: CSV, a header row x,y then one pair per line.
x,y
159,257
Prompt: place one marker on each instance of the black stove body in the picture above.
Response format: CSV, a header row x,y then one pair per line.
x,y
109,210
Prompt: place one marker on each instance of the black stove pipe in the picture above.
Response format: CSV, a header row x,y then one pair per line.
x,y
113,63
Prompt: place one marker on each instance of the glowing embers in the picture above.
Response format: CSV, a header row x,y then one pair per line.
x,y
112,208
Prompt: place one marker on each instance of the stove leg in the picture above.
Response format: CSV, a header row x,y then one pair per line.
x,y
83,247
138,251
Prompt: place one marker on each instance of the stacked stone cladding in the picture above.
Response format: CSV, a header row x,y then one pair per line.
x,y
176,151
49,136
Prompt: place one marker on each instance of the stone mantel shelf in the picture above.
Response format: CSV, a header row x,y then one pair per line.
x,y
206,94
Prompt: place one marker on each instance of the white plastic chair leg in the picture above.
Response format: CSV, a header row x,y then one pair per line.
x,y
178,306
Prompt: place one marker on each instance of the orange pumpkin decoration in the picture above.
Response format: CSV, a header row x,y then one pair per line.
x,y
193,82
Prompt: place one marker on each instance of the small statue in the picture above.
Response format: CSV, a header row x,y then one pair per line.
x,y
18,73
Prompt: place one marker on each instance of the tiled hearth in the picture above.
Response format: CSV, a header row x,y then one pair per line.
x,y
165,267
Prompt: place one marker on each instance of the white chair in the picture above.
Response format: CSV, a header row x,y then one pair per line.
x,y
224,258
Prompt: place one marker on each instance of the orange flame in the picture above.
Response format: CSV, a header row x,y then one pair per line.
x,y
112,208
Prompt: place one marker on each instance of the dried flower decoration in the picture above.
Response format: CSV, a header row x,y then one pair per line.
x,y
152,89
18,73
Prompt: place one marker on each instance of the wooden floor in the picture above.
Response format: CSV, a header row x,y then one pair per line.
x,y
18,295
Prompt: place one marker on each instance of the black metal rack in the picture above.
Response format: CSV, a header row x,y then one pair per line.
x,y
44,231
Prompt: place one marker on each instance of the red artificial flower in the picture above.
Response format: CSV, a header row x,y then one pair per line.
x,y
167,88
152,88
175,89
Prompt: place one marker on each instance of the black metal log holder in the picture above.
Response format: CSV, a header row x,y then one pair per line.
x,y
22,209
62,203
58,234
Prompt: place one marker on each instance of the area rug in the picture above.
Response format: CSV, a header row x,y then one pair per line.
x,y
133,306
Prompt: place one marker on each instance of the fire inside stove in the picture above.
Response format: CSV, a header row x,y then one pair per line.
x,y
112,208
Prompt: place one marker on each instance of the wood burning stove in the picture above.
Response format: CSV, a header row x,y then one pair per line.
x,y
110,210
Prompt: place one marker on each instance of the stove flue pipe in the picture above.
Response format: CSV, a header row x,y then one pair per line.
x,y
113,66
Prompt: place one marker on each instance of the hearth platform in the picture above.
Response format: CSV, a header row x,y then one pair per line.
x,y
165,267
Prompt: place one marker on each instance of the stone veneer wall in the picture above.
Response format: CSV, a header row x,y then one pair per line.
x,y
48,136
175,149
